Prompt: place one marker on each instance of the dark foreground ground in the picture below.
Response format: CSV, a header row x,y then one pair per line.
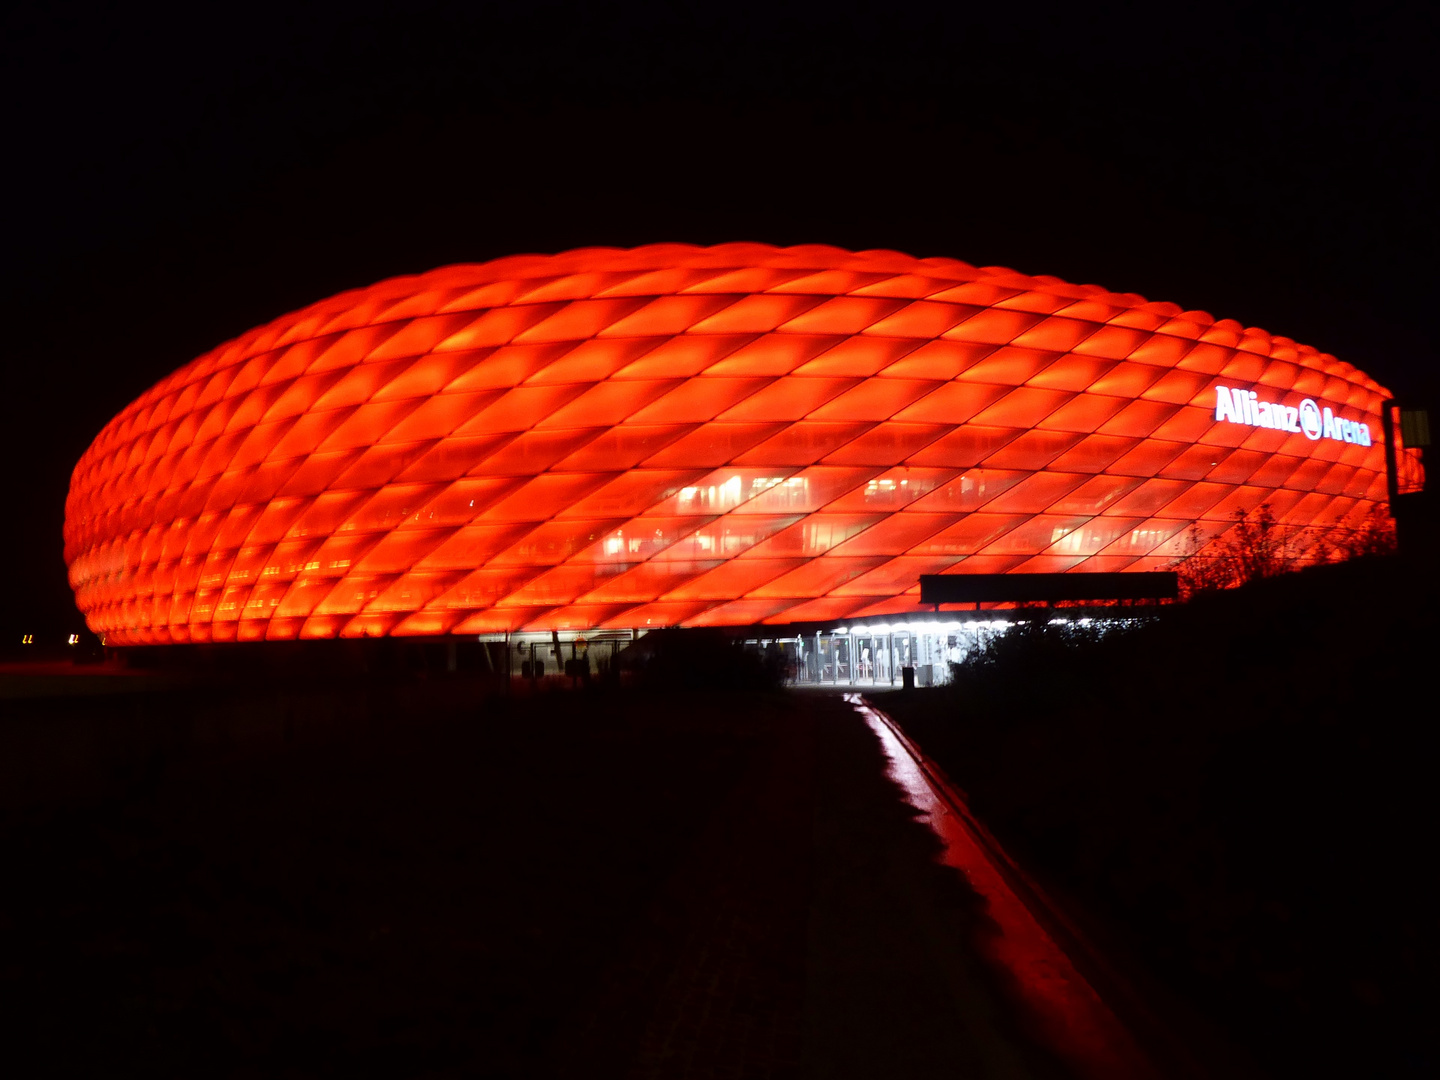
x,y
1241,800
397,878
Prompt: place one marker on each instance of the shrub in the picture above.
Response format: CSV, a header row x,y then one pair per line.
x,y
702,659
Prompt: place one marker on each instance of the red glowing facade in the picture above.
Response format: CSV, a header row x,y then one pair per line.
x,y
692,436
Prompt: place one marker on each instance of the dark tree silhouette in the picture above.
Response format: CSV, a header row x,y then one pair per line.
x,y
1257,547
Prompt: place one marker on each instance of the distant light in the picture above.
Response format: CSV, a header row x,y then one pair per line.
x,y
28,639
74,639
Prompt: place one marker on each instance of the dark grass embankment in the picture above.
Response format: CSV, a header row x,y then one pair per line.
x,y
388,876
1242,796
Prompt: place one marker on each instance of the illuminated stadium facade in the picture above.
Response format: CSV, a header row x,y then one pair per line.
x,y
681,436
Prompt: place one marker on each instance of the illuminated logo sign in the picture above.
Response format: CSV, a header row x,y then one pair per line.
x,y
1245,407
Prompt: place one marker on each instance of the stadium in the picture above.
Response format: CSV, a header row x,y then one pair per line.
x,y
743,436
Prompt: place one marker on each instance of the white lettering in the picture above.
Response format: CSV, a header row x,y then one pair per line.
x,y
1236,406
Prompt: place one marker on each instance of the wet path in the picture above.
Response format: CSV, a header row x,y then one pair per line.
x,y
811,930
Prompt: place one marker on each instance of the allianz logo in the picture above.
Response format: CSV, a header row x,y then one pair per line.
x,y
1245,407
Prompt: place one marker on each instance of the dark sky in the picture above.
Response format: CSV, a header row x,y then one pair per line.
x,y
178,176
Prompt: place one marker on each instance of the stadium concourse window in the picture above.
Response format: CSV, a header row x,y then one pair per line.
x,y
879,654
570,657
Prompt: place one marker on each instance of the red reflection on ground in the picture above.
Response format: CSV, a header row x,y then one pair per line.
x,y
1061,1003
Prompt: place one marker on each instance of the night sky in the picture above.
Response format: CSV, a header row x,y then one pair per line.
x,y
177,176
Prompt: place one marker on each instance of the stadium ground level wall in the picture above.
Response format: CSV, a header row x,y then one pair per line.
x,y
845,653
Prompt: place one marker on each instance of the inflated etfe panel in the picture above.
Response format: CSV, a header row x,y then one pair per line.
x,y
692,436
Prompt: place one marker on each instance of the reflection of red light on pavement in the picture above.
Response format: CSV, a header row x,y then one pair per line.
x,y
1071,1016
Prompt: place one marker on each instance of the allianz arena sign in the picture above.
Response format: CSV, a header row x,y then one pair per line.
x,y
1239,406
687,436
